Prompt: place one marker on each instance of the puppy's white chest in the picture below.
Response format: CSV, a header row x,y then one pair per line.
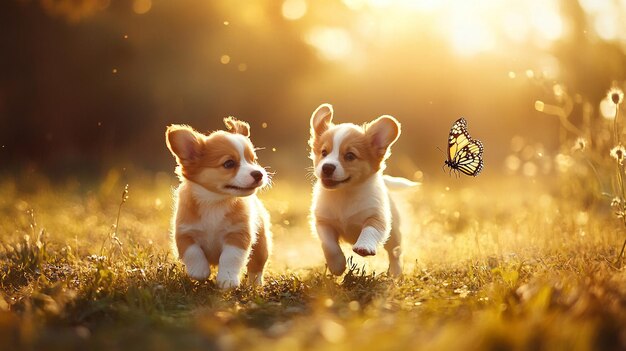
x,y
213,220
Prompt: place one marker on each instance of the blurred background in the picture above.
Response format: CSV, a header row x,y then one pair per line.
x,y
88,87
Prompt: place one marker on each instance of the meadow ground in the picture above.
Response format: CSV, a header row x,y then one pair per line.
x,y
515,265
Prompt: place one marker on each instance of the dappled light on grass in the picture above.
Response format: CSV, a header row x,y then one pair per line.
x,y
498,264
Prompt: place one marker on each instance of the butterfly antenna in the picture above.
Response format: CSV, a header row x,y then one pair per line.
x,y
444,164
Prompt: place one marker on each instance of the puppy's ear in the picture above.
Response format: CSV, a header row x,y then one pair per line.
x,y
236,126
382,133
184,142
321,119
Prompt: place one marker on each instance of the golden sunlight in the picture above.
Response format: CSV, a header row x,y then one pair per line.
x,y
469,28
333,43
168,183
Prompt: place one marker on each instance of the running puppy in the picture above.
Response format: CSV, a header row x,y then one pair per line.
x,y
350,197
218,219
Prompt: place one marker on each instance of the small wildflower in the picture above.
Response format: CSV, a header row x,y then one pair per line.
x,y
618,153
125,194
616,95
616,202
580,144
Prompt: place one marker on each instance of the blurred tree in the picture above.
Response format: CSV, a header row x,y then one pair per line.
x,y
94,85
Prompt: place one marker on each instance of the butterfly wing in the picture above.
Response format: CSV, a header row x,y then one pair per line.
x,y
469,162
459,138
476,147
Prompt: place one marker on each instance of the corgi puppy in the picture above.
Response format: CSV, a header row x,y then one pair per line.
x,y
350,197
218,220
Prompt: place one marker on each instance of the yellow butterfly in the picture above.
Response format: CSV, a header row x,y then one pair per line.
x,y
464,153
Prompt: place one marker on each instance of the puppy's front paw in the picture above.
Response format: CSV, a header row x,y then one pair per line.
x,y
367,242
364,250
227,281
198,271
228,284
196,265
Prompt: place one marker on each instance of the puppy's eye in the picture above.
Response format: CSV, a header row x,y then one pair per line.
x,y
229,164
324,153
349,156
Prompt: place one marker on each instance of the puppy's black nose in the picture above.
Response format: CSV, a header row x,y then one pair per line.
x,y
257,175
328,169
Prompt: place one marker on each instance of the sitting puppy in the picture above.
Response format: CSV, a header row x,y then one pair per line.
x,y
218,220
350,197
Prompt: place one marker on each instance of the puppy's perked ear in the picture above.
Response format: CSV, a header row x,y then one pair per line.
x,y
321,119
236,126
383,132
184,142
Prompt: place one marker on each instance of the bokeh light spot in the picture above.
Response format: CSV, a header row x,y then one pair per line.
x,y
225,59
517,143
332,43
607,108
512,163
529,169
142,6
606,25
294,9
546,20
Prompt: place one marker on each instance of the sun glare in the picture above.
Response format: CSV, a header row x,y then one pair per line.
x,y
468,28
605,18
332,43
546,20
469,36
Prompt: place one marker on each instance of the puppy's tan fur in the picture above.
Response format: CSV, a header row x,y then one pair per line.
x,y
218,219
352,203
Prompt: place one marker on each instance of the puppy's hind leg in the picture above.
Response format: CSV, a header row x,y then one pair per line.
x,y
393,246
394,250
258,258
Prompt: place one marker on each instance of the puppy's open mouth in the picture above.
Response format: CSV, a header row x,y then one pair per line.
x,y
331,183
238,188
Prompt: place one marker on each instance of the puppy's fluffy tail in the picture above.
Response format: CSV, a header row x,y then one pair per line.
x,y
399,183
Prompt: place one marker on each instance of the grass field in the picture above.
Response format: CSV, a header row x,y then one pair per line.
x,y
506,265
